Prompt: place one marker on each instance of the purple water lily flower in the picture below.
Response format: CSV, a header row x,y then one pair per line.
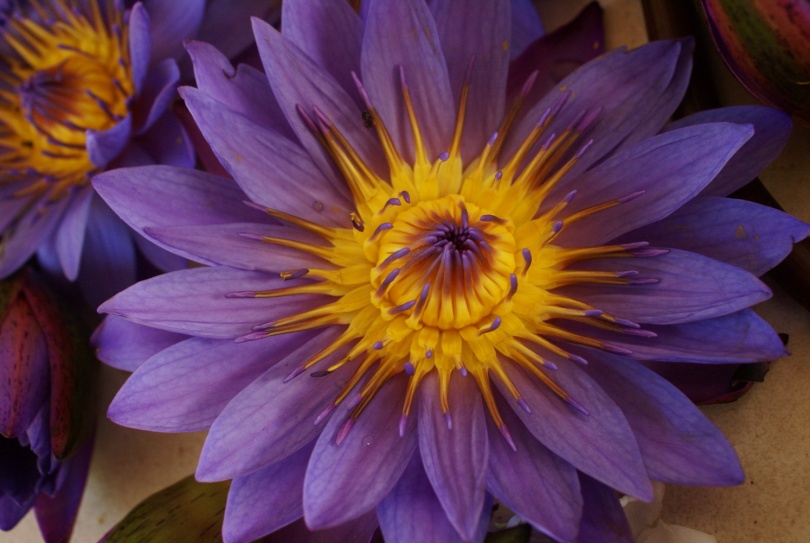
x,y
87,86
431,289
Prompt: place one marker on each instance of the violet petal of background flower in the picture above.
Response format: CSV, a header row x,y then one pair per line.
x,y
140,44
70,237
104,145
159,90
172,23
108,260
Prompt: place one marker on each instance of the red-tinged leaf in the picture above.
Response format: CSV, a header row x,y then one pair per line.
x,y
766,45
185,511
73,368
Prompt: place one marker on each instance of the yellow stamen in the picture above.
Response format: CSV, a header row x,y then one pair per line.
x,y
445,267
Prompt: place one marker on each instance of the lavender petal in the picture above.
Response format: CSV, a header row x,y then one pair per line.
x,y
244,147
678,443
670,168
366,464
125,345
455,460
600,444
744,234
404,34
285,411
412,512
689,287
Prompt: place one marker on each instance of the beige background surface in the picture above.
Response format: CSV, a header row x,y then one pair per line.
x,y
769,426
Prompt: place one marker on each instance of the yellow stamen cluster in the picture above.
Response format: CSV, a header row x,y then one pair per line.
x,y
447,266
68,72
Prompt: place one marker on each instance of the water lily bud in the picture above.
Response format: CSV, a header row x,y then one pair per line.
x,y
766,45
46,407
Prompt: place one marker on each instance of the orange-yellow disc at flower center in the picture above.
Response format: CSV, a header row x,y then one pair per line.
x,y
455,264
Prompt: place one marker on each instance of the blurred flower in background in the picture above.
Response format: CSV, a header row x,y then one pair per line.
x,y
47,409
455,277
87,86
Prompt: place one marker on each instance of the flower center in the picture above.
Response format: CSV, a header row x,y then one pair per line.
x,y
451,264
435,273
68,73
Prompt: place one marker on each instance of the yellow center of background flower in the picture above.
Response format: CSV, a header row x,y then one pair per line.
x,y
69,72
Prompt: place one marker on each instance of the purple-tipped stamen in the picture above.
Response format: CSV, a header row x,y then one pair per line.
x,y
403,423
381,228
576,405
527,259
325,413
298,370
396,255
344,431
387,282
523,405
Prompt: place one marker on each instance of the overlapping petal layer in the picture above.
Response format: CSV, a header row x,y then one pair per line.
x,y
426,314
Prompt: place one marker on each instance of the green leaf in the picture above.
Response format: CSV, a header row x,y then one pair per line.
x,y
186,511
519,534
